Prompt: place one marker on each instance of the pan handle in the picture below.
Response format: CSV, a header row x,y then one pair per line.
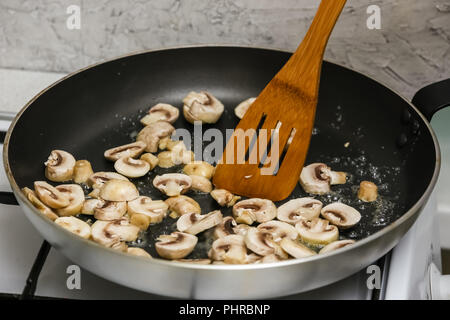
x,y
432,98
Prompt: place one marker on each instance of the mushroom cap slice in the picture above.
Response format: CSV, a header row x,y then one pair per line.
x,y
230,249
119,190
110,210
296,249
132,168
172,184
161,112
225,228
259,242
202,106
201,184
341,215
368,191
180,205
98,179
38,204
138,252
51,196
317,231
242,107
155,210
242,229
76,199
199,168
154,132
193,223
263,210
315,178
296,209
270,258
90,205
82,171
336,245
279,230
112,233
177,245
151,159
128,150
59,166
224,197
75,225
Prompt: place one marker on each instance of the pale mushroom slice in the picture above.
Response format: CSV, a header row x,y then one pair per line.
x,y
301,208
132,168
177,245
59,166
76,199
145,211
181,205
225,228
224,197
316,178
82,171
51,196
111,234
193,223
279,230
38,204
368,191
154,132
242,107
90,205
262,243
98,179
151,159
172,184
336,245
161,112
110,210
230,249
199,168
296,249
138,252
201,184
317,231
168,159
242,229
119,190
271,258
254,209
132,150
202,106
341,215
75,225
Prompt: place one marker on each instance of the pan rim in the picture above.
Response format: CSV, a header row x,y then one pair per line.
x,y
280,264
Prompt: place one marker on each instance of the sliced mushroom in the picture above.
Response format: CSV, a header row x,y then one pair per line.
x,y
75,225
76,199
254,209
51,196
162,144
224,197
38,204
336,245
225,228
154,132
252,258
168,159
161,112
201,184
181,205
151,159
230,249
242,107
341,215
112,233
241,229
203,107
128,150
199,168
317,231
368,191
296,249
144,211
138,252
296,209
110,210
172,184
194,261
132,168
338,177
279,230
317,178
98,179
119,190
59,166
177,245
193,223
259,242
82,171
90,205
270,258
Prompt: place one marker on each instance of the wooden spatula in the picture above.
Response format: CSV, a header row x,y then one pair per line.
x,y
266,153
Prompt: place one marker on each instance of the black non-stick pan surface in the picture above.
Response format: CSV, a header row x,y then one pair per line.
x,y
361,127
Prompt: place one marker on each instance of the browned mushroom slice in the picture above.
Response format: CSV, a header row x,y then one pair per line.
x,y
132,168
368,191
110,210
279,230
180,205
154,132
230,249
151,159
296,209
201,184
144,211
195,223
254,209
316,178
296,249
336,245
202,106
317,231
128,150
177,245
341,215
82,171
224,197
172,184
59,166
76,199
75,225
38,204
119,190
161,112
199,168
225,228
242,107
51,196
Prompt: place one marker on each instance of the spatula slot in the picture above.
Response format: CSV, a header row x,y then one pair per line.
x,y
254,139
272,150
285,150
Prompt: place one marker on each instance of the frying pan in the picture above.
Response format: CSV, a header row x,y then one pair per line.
x,y
362,127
